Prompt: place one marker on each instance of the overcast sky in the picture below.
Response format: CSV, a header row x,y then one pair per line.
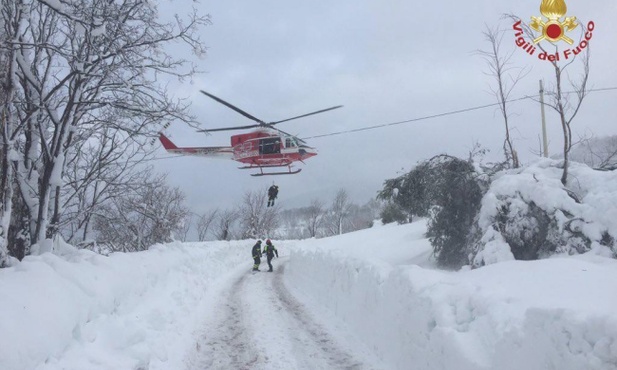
x,y
385,61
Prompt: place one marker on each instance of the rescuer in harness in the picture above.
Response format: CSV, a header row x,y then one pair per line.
x,y
273,191
270,251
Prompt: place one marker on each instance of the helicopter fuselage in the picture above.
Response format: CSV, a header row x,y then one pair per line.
x,y
269,148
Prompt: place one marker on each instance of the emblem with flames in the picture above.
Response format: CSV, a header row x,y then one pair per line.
x,y
555,28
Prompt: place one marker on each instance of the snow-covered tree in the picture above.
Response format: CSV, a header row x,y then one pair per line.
x,y
12,20
149,212
362,216
392,212
565,103
204,221
314,217
338,214
599,153
456,196
256,219
506,78
77,68
185,227
448,191
225,224
410,191
96,171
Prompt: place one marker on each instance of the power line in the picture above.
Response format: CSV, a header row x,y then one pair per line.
x,y
603,89
465,110
159,158
450,113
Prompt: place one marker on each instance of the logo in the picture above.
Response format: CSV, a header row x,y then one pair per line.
x,y
554,30
553,27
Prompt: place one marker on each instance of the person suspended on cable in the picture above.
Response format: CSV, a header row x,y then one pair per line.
x,y
256,252
273,191
270,250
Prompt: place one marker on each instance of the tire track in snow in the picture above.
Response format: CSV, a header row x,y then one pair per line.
x,y
230,345
258,324
334,356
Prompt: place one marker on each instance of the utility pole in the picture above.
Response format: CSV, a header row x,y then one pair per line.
x,y
544,139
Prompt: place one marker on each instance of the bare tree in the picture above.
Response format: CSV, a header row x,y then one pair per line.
x,y
291,227
561,101
224,226
506,78
185,227
87,65
597,153
12,18
256,219
362,217
566,109
339,213
315,217
6,188
145,214
96,171
203,224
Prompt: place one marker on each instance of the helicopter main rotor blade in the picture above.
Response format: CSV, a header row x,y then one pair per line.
x,y
290,135
305,115
228,105
229,128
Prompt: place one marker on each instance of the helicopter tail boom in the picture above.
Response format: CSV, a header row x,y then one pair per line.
x,y
225,152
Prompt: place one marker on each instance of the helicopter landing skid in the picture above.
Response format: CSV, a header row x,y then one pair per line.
x,y
277,173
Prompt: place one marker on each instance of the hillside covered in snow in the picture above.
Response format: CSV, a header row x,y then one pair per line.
x,y
375,290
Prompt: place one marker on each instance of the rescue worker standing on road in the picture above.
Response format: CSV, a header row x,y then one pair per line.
x,y
270,251
256,252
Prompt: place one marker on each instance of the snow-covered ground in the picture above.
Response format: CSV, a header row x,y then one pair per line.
x,y
369,299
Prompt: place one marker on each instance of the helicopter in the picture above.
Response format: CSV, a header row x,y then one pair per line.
x,y
263,148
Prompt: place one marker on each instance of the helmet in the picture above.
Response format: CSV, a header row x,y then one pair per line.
x,y
259,241
268,241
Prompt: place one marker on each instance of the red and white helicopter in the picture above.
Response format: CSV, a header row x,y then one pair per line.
x,y
262,148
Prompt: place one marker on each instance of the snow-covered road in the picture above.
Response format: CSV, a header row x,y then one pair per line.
x,y
258,324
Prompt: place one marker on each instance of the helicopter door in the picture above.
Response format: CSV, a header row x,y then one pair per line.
x,y
270,145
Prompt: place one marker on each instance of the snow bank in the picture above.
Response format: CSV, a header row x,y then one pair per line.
x,y
556,313
125,311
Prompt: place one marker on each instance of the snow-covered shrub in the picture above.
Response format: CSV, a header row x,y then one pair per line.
x,y
392,212
456,195
447,190
534,233
536,216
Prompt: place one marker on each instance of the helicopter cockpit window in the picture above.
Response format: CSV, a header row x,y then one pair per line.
x,y
270,145
290,142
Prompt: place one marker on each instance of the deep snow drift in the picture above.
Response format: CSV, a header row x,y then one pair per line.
x,y
144,310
